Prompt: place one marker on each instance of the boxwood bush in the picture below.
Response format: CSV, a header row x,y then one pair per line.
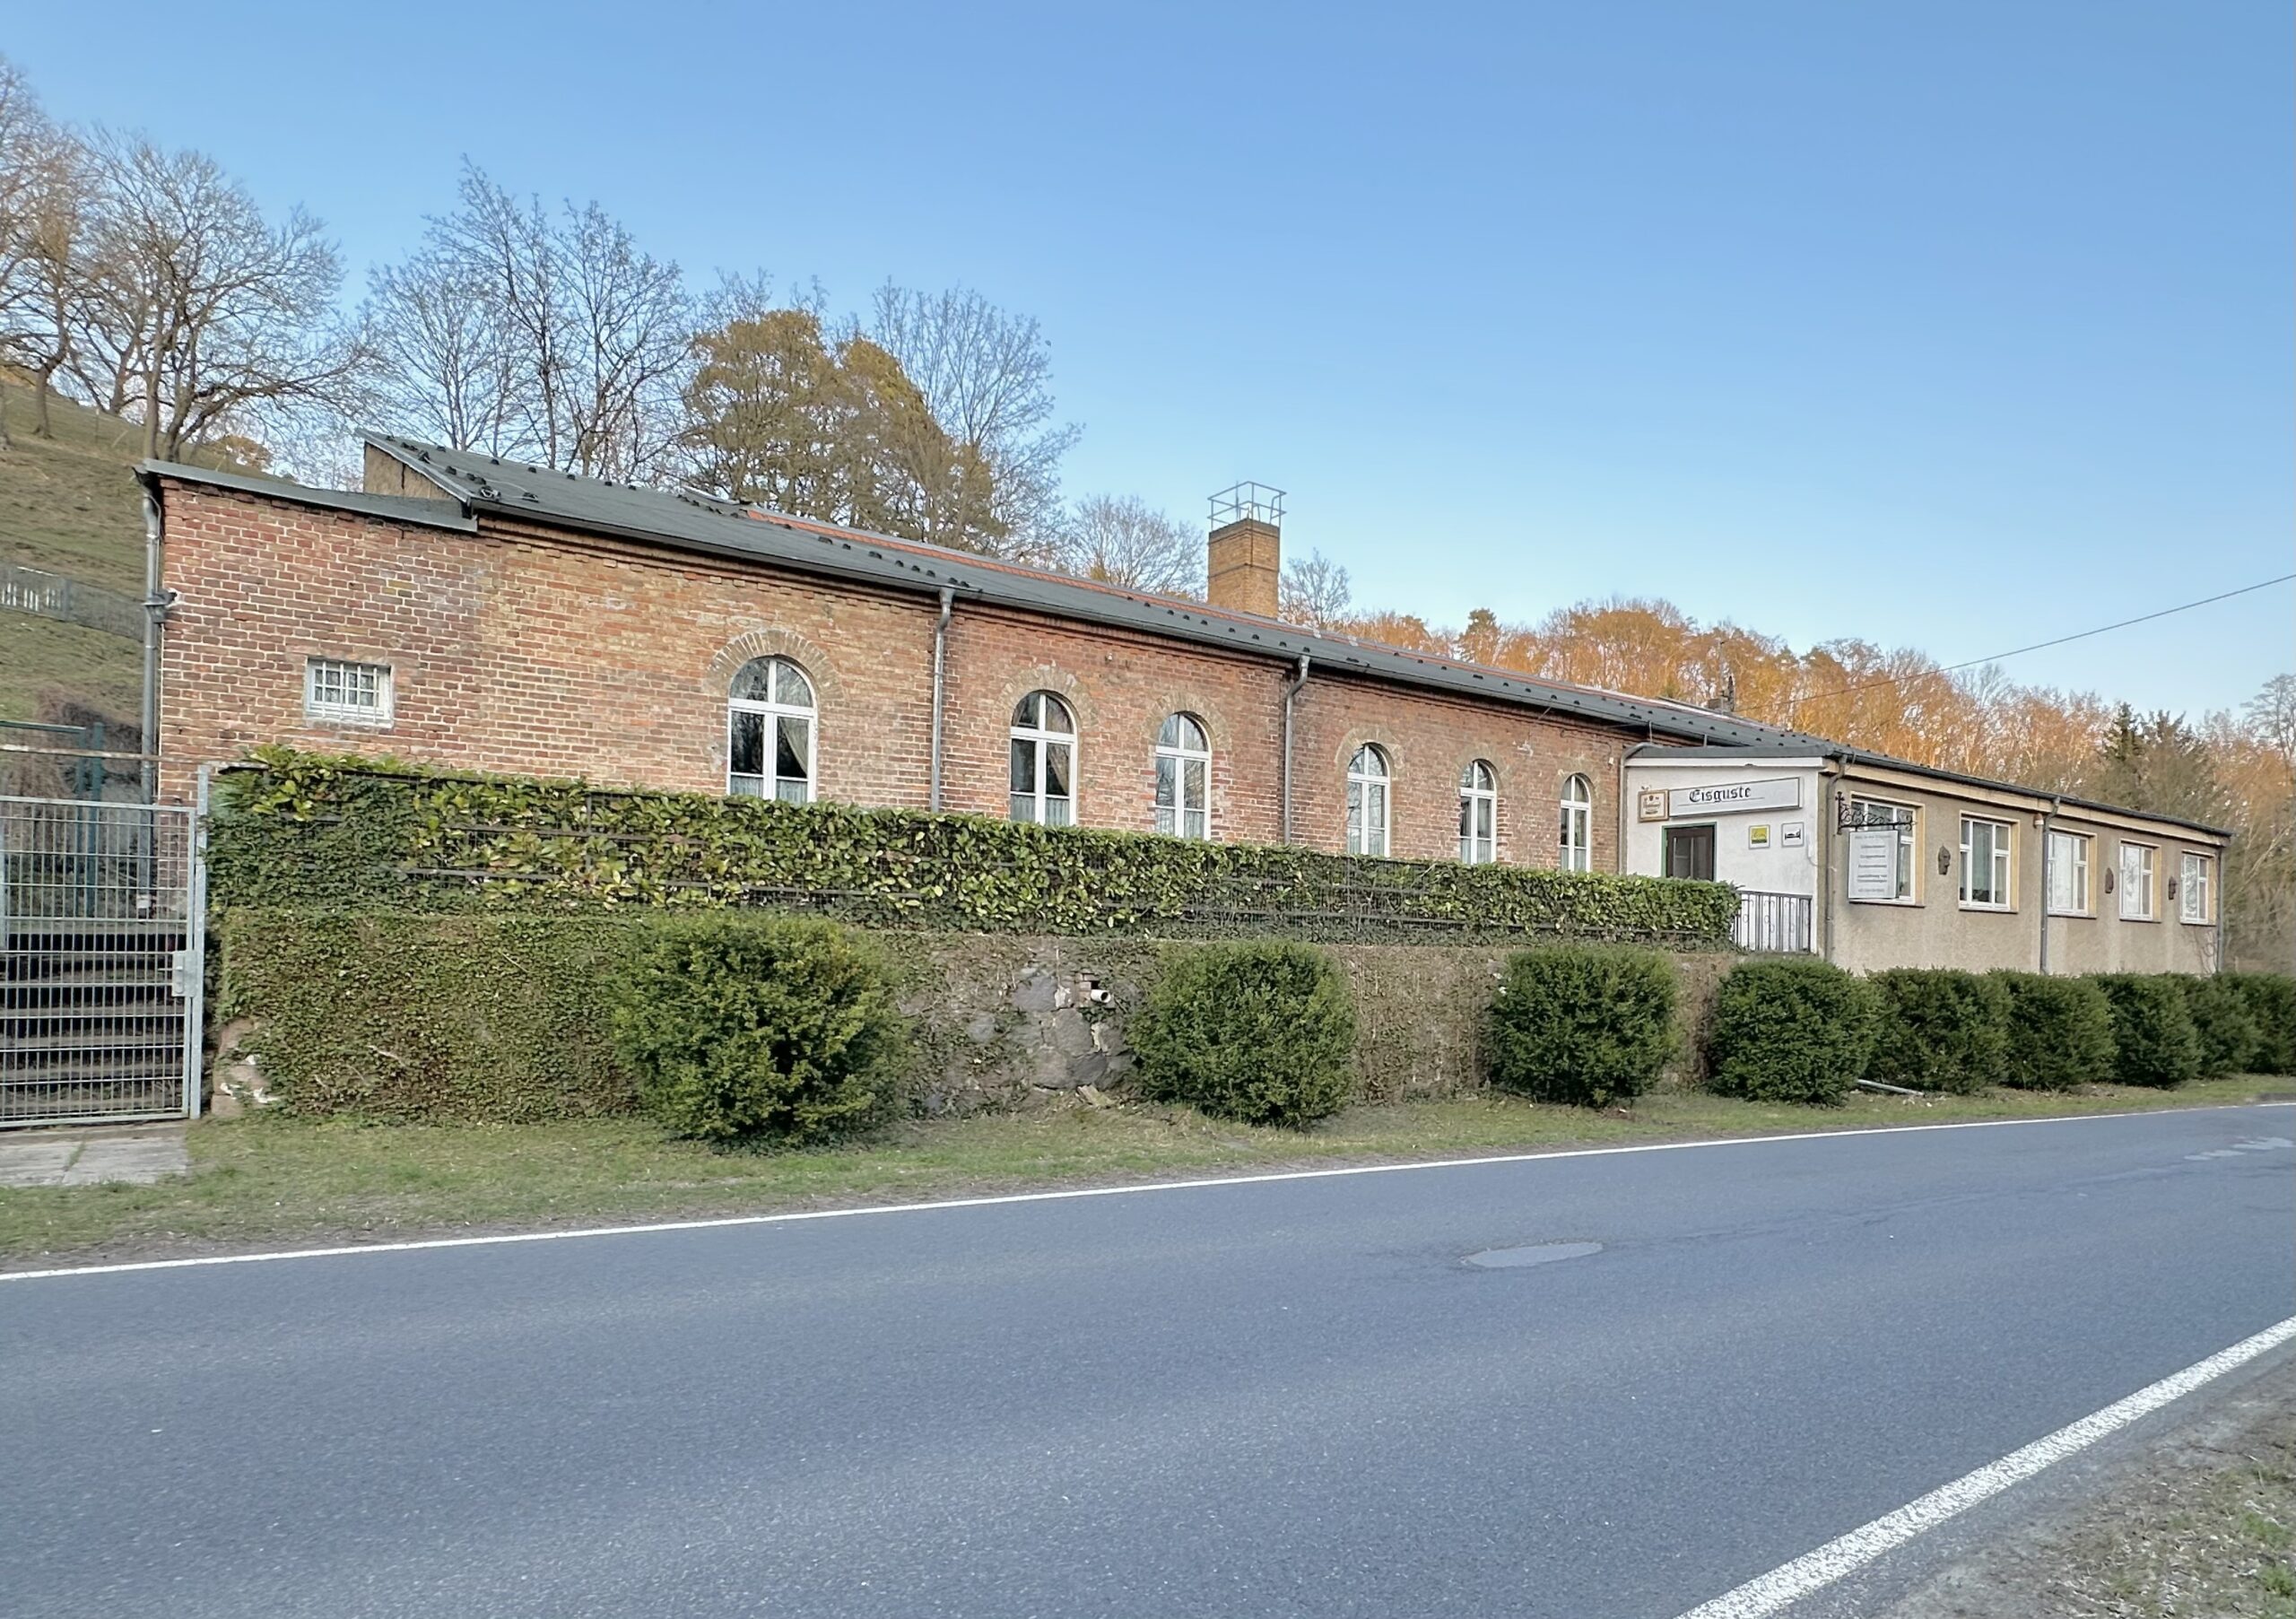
x,y
2271,1000
1790,1031
1585,1023
766,1030
2154,1042
2059,1032
1261,1031
1940,1029
2222,1023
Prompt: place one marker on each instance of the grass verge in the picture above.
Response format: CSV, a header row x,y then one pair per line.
x,y
272,1180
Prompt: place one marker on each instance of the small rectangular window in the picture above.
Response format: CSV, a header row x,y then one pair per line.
x,y
336,689
2193,894
1984,862
2069,875
2137,882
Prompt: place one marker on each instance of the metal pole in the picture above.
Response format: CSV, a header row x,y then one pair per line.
x,y
940,655
155,607
194,942
1290,693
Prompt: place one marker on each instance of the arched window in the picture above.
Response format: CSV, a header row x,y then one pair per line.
x,y
1478,814
1367,801
1183,778
769,731
1578,824
1044,761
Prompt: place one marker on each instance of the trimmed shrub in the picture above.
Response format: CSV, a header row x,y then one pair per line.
x,y
2153,1039
1583,1023
2221,1022
1940,1029
767,1029
2271,1000
1256,1031
2059,1030
1790,1031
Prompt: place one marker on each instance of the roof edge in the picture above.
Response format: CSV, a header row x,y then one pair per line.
x,y
445,512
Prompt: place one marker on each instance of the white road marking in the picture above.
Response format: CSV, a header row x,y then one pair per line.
x,y
1784,1586
793,1218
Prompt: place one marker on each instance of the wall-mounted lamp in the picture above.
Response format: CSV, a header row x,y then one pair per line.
x,y
1944,861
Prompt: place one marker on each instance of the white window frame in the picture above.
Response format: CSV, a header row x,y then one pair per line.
x,y
2001,860
1575,842
1184,816
771,711
1478,814
2130,893
2083,867
345,675
2205,867
1038,800
1370,781
1908,860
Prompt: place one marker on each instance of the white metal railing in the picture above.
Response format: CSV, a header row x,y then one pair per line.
x,y
1772,922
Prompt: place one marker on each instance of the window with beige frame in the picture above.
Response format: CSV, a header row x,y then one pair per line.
x,y
2069,874
1987,846
2196,889
2138,863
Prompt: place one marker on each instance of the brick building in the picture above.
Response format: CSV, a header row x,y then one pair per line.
x,y
470,613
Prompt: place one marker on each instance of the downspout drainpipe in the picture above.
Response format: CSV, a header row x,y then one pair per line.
x,y
1290,693
2048,825
155,610
940,685
1826,840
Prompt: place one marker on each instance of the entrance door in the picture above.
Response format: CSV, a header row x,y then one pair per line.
x,y
1690,852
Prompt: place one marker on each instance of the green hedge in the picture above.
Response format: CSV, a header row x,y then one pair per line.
x,y
2154,1042
760,1028
1589,1025
298,830
497,1019
1256,1031
1940,1029
2271,999
1790,1031
2226,1030
2060,1032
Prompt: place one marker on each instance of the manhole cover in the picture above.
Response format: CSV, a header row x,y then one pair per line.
x,y
1536,1253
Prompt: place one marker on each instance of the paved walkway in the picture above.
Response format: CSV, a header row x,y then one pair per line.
x,y
134,1153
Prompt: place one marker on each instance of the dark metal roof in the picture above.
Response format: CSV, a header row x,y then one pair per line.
x,y
396,509
690,521
1809,746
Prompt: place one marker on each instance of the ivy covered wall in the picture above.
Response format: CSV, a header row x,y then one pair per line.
x,y
302,830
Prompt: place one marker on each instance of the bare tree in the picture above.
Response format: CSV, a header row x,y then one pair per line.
x,y
1123,541
200,314
553,336
987,376
45,192
1314,591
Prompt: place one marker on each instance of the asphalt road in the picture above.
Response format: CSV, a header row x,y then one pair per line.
x,y
1277,1398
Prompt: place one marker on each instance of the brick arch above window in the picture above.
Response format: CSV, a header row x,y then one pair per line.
x,y
1199,707
1061,683
774,643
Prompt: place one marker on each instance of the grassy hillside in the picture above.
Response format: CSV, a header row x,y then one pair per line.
x,y
70,505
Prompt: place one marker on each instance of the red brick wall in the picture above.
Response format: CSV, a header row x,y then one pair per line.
x,y
528,651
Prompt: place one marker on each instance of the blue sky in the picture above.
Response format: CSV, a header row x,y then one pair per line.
x,y
1958,325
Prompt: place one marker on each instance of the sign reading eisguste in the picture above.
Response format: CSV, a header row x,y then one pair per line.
x,y
1729,797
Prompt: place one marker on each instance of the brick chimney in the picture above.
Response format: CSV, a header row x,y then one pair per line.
x,y
1244,558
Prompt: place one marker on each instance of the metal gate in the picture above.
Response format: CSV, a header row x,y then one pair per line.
x,y
101,961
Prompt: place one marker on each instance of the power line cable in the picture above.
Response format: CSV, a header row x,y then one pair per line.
x,y
2144,618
